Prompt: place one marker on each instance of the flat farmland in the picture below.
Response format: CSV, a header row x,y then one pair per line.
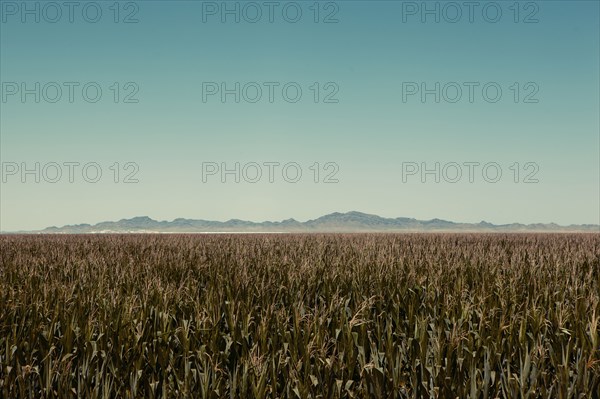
x,y
300,316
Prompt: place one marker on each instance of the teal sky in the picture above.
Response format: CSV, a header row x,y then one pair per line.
x,y
369,133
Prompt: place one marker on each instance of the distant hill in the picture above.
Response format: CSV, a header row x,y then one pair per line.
x,y
334,222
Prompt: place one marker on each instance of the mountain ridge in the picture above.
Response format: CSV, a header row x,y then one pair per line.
x,y
333,222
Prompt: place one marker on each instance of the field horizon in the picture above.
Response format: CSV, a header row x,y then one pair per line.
x,y
321,199
336,222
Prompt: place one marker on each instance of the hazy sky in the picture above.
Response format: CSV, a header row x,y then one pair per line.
x,y
368,73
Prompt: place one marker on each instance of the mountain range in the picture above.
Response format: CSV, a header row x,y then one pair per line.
x,y
334,222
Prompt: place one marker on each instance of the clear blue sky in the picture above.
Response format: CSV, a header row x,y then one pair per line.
x,y
366,61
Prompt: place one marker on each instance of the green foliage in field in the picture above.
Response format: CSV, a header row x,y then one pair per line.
x,y
321,316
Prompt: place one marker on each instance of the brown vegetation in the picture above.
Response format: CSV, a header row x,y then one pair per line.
x,y
329,316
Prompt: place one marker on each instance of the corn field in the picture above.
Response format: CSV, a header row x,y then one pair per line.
x,y
300,316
